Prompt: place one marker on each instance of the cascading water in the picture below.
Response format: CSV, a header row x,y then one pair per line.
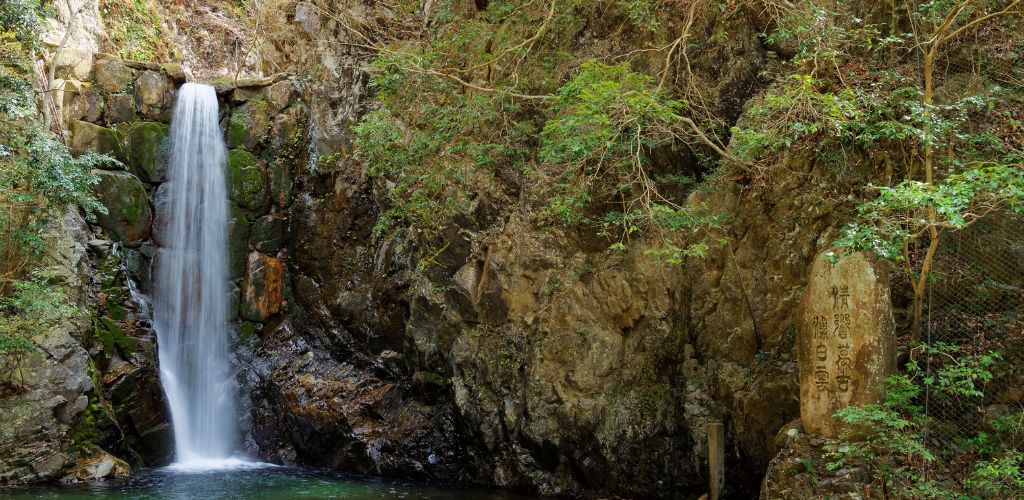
x,y
191,292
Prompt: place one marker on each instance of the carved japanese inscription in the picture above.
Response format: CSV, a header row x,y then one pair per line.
x,y
846,343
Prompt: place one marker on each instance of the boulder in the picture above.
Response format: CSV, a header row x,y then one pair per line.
x,y
238,241
153,89
262,287
249,125
100,466
147,151
247,182
846,339
267,234
120,109
175,72
75,62
82,102
112,75
88,137
279,95
243,95
128,216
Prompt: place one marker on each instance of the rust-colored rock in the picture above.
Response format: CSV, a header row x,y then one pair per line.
x,y
846,342
262,287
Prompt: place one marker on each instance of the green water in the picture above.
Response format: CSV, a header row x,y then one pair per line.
x,y
259,483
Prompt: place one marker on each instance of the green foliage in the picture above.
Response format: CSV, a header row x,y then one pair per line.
x,y
646,14
19,25
477,113
39,180
439,146
137,29
802,109
32,306
606,120
900,212
889,438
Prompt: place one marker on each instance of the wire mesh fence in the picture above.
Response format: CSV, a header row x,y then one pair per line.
x,y
974,333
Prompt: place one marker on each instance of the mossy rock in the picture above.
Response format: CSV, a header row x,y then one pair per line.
x,y
88,137
247,182
248,331
120,109
129,217
279,174
238,241
147,151
112,75
267,234
287,131
249,125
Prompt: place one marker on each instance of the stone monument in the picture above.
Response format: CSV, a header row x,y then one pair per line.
x,y
846,340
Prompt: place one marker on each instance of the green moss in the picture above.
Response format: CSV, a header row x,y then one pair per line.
x,y
249,126
146,149
247,331
247,182
238,130
433,378
112,336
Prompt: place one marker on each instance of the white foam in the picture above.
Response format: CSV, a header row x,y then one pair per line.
x,y
216,465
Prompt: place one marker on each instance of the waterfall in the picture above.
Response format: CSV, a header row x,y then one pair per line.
x,y
191,292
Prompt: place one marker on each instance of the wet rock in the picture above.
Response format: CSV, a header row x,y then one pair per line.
x,y
249,126
129,217
111,74
262,287
137,400
120,109
147,151
279,177
161,212
377,427
153,90
100,466
266,234
238,241
247,182
82,102
87,137
234,301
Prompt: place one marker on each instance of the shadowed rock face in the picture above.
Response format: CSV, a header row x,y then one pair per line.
x,y
560,367
311,409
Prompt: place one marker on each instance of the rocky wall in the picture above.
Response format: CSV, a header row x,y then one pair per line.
x,y
95,386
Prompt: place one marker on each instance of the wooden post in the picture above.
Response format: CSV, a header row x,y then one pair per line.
x,y
716,459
